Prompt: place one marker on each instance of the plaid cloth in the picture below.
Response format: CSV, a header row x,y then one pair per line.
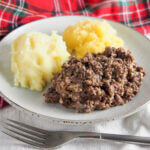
x,y
14,13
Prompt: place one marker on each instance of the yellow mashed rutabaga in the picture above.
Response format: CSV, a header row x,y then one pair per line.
x,y
90,36
35,57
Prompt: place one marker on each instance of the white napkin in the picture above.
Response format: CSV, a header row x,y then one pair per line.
x,y
137,124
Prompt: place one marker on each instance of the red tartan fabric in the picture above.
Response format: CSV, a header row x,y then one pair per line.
x,y
14,13
2,102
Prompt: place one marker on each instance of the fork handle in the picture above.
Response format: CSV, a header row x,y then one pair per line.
x,y
119,138
126,138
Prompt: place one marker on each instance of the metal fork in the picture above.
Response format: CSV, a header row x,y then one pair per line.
x,y
53,139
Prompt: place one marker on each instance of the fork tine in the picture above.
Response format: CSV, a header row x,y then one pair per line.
x,y
27,136
28,126
40,135
25,141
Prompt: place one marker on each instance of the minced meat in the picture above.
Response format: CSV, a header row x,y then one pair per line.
x,y
97,81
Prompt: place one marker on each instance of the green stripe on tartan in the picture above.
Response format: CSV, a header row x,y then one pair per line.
x,y
140,1
123,3
144,1
131,23
20,13
25,4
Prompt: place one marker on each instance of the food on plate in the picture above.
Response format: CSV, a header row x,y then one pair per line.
x,y
90,36
97,81
35,57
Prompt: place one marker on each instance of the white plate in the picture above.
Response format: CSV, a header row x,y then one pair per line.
x,y
33,102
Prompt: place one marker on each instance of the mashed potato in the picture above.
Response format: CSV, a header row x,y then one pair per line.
x,y
90,36
35,57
